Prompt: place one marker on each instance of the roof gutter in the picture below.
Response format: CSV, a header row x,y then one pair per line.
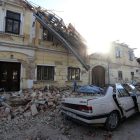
x,y
43,23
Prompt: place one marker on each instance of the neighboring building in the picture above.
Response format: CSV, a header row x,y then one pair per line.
x,y
119,65
124,67
38,50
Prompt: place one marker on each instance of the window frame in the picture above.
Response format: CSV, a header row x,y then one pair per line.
x,y
49,34
118,52
45,65
75,73
19,22
131,57
132,75
121,75
120,94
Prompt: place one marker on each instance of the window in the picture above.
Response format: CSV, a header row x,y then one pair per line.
x,y
45,73
120,75
73,73
47,35
137,91
132,75
117,52
131,55
123,93
12,22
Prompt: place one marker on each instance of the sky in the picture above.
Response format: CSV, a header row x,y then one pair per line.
x,y
100,21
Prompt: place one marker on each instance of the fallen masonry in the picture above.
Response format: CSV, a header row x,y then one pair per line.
x,y
34,101
33,109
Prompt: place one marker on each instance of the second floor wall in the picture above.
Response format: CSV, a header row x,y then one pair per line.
x,y
122,55
16,23
19,25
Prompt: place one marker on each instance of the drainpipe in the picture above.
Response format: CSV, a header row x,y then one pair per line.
x,y
108,74
89,71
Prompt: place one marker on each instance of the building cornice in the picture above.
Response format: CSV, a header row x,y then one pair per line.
x,y
17,45
11,3
32,47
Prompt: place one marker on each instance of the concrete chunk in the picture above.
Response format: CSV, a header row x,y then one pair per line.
x,y
41,102
7,111
27,114
50,103
6,105
34,110
9,117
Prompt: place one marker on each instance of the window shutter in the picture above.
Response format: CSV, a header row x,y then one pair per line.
x,y
121,54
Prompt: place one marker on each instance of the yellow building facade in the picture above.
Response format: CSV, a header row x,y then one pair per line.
x,y
26,59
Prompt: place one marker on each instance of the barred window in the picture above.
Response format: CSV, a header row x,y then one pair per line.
x,y
45,73
73,73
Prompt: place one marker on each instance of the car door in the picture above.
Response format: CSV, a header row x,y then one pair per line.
x,y
125,101
135,91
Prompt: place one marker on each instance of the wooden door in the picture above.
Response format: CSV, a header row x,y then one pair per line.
x,y
98,76
10,76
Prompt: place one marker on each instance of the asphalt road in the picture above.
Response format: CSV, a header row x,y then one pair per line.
x,y
129,129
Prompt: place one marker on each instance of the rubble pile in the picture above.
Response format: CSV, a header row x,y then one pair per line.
x,y
30,102
33,101
34,107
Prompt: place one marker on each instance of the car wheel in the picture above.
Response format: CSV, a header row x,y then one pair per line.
x,y
112,121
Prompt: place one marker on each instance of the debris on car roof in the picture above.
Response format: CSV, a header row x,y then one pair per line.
x,y
90,89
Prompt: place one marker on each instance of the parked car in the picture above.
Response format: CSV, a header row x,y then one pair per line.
x,y
103,109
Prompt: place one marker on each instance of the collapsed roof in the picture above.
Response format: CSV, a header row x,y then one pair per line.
x,y
66,35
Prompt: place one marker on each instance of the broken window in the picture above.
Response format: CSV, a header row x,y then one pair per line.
x,y
47,35
45,73
73,73
132,75
120,75
12,22
131,55
117,52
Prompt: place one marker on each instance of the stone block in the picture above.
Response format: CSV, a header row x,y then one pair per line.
x,y
6,105
50,103
34,110
27,114
7,111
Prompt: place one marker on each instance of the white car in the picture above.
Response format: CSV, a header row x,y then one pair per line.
x,y
99,109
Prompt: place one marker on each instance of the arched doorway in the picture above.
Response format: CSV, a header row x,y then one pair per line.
x,y
98,76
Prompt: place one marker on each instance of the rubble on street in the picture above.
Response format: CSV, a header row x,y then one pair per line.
x,y
32,102
21,110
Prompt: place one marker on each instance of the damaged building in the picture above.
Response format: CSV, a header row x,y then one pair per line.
x,y
37,49
119,65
